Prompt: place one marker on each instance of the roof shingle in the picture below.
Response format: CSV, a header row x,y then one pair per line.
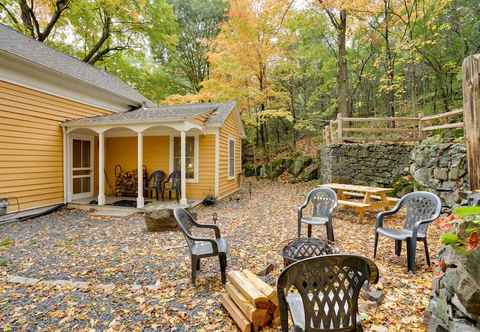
x,y
36,52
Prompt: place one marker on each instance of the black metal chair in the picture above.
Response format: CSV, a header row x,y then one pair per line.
x,y
155,182
173,183
321,293
324,201
202,247
422,208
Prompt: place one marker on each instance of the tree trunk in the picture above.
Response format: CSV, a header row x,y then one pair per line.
x,y
343,86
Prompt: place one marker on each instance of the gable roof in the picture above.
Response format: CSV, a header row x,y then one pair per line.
x,y
15,43
212,115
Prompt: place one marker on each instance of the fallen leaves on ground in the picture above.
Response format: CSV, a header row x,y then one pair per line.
x,y
71,245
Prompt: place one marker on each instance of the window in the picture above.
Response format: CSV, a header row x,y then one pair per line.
x,y
231,158
189,155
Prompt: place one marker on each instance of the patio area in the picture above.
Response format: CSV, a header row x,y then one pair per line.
x,y
124,278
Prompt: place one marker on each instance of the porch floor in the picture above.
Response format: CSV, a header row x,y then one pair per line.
x,y
91,203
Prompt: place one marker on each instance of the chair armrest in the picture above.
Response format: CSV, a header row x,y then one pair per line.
x,y
383,214
211,226
424,221
301,207
202,239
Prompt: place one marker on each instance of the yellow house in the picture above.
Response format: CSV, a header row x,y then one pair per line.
x,y
66,126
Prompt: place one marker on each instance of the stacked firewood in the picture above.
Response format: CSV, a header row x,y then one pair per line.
x,y
251,302
126,184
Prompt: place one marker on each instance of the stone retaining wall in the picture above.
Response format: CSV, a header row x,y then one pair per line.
x,y
364,164
442,169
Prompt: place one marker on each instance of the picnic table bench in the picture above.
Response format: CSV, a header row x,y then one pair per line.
x,y
374,198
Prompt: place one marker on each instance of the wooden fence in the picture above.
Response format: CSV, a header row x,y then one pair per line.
x,y
389,129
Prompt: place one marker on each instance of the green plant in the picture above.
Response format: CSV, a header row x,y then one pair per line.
x,y
463,229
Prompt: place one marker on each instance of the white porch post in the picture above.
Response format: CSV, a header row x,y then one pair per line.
x,y
101,168
140,200
183,167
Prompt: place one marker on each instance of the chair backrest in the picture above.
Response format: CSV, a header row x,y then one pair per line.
x,y
329,287
175,178
185,221
324,201
420,205
157,177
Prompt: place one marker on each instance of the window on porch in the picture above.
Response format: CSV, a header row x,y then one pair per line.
x,y
190,156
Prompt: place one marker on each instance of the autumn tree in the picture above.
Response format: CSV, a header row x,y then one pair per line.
x,y
242,59
100,27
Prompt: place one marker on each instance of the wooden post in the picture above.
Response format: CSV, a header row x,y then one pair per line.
x,y
332,134
183,167
340,128
471,117
420,126
101,168
140,199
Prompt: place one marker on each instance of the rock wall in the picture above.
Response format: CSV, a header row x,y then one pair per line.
x,y
364,164
442,169
455,303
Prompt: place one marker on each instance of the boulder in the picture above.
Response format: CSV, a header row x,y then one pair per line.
x,y
275,168
299,164
310,172
455,305
249,170
160,219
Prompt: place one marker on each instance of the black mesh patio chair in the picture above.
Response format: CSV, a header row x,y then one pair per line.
x,y
324,202
321,293
422,208
202,247
155,182
173,184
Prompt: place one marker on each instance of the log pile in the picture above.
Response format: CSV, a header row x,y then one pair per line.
x,y
251,302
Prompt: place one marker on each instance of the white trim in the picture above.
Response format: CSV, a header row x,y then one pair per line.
x,y
101,169
140,199
91,139
232,139
196,156
65,166
183,167
217,162
35,77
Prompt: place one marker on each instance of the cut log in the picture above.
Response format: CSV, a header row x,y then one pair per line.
x,y
246,307
242,322
242,283
259,317
262,286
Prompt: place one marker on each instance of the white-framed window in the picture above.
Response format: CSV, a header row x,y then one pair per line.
x,y
191,156
231,158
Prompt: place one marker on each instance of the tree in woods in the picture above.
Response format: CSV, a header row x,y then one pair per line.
x,y
199,23
92,30
338,12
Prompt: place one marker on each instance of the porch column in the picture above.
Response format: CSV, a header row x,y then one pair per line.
x,y
140,200
101,168
183,167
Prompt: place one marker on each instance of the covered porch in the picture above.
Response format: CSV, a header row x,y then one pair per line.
x,y
98,149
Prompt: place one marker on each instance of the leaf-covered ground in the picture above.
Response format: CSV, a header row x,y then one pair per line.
x,y
140,281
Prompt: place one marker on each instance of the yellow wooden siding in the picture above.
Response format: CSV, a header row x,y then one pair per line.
x,y
156,154
31,144
229,130
206,169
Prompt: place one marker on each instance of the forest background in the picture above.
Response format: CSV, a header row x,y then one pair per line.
x,y
291,65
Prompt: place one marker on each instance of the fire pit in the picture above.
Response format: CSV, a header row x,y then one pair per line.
x,y
302,248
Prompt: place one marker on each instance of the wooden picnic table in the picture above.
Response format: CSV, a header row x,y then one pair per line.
x,y
373,198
